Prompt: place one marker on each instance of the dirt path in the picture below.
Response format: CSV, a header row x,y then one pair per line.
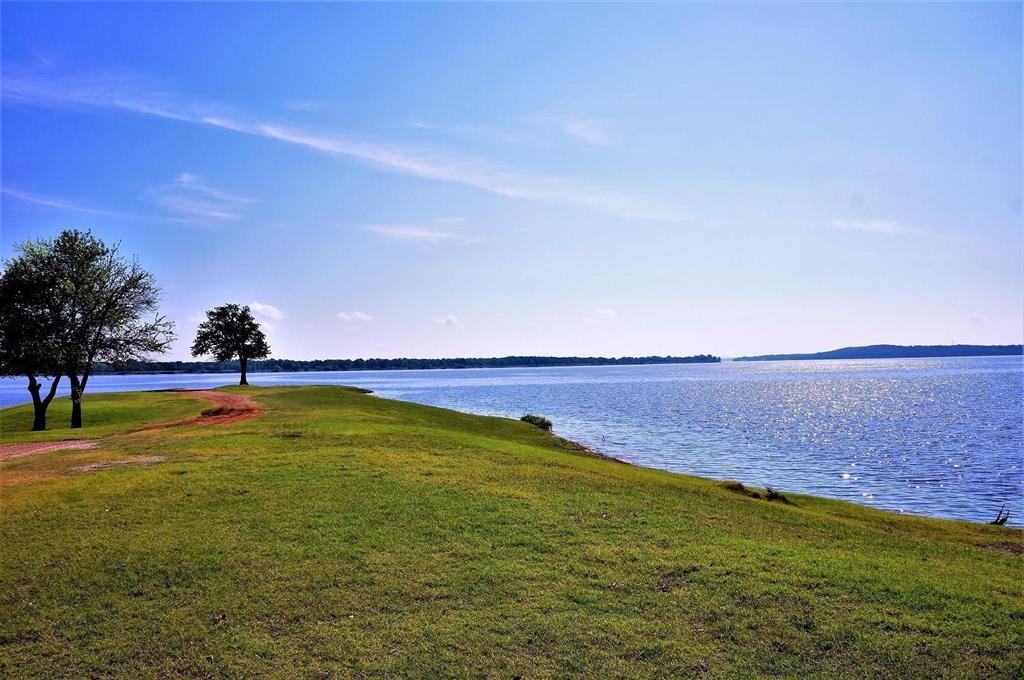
x,y
8,451
228,408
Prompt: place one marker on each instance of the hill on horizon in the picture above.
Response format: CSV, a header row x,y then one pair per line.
x,y
895,352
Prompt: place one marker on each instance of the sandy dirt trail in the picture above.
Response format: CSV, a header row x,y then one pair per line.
x,y
227,408
8,451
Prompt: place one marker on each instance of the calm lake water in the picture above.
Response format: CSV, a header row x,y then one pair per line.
x,y
940,437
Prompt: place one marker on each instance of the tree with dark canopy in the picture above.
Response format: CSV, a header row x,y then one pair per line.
x,y
102,300
30,329
231,331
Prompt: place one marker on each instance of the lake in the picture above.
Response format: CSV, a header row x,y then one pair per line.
x,y
940,437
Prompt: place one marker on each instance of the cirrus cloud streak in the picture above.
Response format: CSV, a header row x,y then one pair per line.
x,y
31,87
886,227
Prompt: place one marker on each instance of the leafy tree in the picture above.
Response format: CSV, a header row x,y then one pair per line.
x,y
102,300
231,331
30,328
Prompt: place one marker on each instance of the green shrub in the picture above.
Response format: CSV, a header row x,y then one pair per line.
x,y
738,487
538,421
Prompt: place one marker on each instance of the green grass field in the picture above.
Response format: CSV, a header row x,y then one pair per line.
x,y
342,535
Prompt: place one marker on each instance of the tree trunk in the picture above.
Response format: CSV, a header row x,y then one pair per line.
x,y
38,408
38,417
76,403
242,361
39,405
76,412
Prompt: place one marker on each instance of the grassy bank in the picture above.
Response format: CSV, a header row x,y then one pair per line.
x,y
343,535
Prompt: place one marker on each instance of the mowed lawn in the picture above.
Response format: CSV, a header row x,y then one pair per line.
x,y
343,535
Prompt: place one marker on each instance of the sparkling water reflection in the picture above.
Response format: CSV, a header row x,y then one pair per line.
x,y
941,437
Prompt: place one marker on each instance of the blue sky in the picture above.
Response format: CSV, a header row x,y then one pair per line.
x,y
476,180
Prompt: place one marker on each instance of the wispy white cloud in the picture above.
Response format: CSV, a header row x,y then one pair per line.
x,y
266,311
476,132
589,130
41,89
185,202
361,317
191,200
978,320
409,232
878,227
54,202
606,313
65,204
190,182
447,320
309,106
195,211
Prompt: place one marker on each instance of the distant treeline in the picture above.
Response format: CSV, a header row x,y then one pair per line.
x,y
897,352
293,365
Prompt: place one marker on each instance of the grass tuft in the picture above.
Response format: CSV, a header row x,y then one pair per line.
x,y
739,487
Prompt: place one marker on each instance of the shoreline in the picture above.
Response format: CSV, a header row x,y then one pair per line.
x,y
596,453
563,442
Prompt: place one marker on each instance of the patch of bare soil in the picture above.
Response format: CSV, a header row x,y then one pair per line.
x,y
136,460
8,451
1012,548
227,408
